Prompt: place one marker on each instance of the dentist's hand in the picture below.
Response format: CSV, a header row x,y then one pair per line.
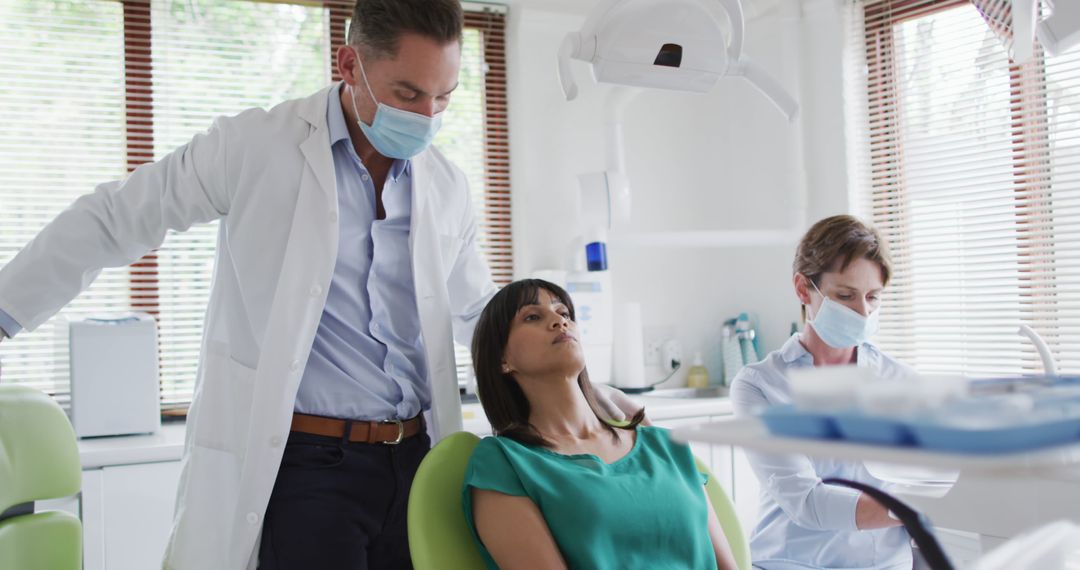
x,y
615,404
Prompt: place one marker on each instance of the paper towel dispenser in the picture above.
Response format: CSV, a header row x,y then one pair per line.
x,y
115,382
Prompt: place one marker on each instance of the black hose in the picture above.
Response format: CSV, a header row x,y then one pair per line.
x,y
916,524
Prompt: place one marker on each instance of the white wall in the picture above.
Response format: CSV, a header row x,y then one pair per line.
x,y
726,160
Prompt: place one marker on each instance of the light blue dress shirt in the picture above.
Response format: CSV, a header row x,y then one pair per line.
x,y
8,326
367,361
805,523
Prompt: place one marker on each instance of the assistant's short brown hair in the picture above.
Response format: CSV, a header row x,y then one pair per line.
x,y
377,24
833,243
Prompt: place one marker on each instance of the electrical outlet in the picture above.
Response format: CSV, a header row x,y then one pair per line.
x,y
671,353
652,352
655,337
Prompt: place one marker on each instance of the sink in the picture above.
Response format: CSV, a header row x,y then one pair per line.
x,y
683,393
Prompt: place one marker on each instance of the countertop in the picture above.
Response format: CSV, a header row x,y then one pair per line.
x,y
165,445
168,443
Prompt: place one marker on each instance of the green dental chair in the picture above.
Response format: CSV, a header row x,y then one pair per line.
x,y
439,536
38,460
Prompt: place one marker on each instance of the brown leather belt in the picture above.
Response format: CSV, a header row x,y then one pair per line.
x,y
389,432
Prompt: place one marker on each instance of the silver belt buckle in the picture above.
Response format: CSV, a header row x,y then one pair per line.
x,y
400,432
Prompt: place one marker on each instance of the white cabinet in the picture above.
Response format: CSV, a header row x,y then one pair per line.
x,y
92,511
127,513
722,468
746,490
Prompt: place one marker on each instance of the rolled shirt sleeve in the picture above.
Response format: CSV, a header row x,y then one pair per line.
x,y
791,480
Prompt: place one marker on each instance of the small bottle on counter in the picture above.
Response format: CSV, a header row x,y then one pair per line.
x,y
698,377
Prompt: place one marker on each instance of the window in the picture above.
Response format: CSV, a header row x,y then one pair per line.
x,y
145,77
969,164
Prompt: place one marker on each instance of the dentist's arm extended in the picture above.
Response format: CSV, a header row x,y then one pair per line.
x,y
514,532
115,226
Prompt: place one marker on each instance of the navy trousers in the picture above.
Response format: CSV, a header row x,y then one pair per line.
x,y
340,505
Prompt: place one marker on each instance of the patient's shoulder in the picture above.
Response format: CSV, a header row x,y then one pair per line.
x,y
500,444
494,466
491,446
499,451
658,439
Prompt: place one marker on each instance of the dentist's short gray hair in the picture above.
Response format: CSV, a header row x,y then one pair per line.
x,y
378,24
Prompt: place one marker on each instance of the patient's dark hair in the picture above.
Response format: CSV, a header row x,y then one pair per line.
x,y
503,400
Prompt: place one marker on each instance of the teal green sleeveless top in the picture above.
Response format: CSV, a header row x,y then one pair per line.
x,y
646,510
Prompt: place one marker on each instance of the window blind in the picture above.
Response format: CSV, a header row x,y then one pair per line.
x,y
157,72
482,148
62,102
970,166
213,58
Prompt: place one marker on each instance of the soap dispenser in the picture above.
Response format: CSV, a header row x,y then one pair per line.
x,y
698,377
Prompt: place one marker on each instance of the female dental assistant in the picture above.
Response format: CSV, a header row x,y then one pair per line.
x,y
840,268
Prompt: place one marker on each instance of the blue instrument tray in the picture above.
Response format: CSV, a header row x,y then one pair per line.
x,y
856,426
785,420
929,435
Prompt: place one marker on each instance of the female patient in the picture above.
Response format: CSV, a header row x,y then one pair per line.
x,y
557,487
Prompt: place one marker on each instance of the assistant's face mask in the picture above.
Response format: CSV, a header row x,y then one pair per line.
x,y
841,327
394,132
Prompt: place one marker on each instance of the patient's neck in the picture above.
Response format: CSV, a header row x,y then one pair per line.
x,y
558,409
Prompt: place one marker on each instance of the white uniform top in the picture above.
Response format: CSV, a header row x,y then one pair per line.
x,y
804,522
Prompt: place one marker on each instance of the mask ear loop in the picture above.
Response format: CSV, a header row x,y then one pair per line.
x,y
352,91
363,74
823,299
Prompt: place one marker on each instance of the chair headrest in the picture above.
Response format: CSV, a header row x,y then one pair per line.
x,y
39,457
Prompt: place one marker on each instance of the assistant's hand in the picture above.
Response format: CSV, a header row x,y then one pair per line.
x,y
614,403
870,514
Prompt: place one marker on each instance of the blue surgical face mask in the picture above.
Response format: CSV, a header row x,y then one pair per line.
x,y
394,132
840,326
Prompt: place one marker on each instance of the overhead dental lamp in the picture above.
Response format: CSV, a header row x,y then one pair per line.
x,y
1019,22
1060,30
667,44
681,45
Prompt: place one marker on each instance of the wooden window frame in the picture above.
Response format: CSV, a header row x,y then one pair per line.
x,y
1030,128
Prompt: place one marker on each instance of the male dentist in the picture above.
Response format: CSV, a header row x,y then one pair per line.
x,y
346,263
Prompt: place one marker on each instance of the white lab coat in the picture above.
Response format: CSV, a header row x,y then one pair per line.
x,y
269,176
